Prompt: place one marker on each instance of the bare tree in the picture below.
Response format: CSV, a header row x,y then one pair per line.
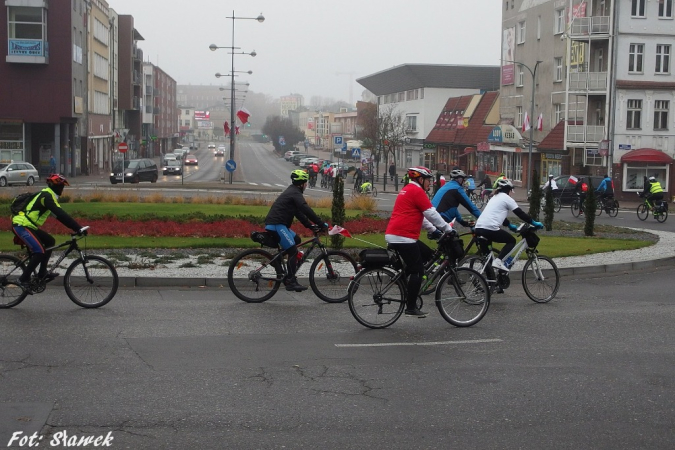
x,y
392,134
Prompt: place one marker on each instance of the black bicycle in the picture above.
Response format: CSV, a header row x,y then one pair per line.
x,y
255,275
90,281
607,204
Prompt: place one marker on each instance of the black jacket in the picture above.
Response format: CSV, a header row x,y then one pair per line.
x,y
291,203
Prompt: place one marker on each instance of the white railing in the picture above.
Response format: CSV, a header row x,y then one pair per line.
x,y
586,26
585,133
588,81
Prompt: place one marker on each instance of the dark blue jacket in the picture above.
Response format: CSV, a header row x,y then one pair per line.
x,y
447,200
605,186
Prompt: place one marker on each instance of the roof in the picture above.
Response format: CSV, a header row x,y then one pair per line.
x,y
413,76
446,132
647,155
555,139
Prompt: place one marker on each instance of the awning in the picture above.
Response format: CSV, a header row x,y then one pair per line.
x,y
649,155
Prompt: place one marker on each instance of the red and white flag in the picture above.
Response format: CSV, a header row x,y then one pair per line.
x,y
573,179
236,129
226,128
540,122
243,115
337,229
526,122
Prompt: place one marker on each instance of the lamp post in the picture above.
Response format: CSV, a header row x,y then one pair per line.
x,y
214,47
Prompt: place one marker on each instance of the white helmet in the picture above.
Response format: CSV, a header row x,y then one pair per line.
x,y
652,178
457,173
419,171
504,184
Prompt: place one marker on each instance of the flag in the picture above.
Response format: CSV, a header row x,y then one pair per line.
x,y
243,115
337,229
226,128
236,129
540,122
526,122
573,179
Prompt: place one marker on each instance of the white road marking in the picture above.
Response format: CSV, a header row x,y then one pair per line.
x,y
253,184
401,344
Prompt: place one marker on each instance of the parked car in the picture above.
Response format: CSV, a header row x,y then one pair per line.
x,y
190,160
565,191
220,151
295,159
289,154
18,172
135,171
173,168
304,162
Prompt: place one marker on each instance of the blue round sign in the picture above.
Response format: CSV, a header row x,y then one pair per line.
x,y
230,165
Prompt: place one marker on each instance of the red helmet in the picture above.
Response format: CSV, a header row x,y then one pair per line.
x,y
57,180
419,171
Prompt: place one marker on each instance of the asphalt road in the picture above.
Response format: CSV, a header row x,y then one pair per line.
x,y
197,368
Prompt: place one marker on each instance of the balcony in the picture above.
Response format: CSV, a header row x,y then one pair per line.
x,y
411,131
585,134
590,26
137,103
29,51
588,81
138,54
137,78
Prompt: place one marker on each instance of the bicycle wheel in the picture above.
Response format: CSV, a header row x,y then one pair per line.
x,y
557,206
330,275
252,278
575,208
463,297
91,281
541,278
376,297
599,207
374,192
662,216
642,212
478,201
11,294
613,209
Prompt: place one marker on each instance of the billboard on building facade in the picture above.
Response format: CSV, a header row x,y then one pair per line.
x,y
508,56
202,115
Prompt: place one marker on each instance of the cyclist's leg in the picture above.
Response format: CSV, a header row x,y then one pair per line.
x,y
32,239
499,236
287,240
412,257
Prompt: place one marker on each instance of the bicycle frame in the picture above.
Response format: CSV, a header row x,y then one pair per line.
x,y
278,258
72,246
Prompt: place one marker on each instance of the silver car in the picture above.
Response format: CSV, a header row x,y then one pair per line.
x,y
18,172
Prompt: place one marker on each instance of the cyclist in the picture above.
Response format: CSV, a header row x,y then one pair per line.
x,y
470,185
581,188
412,212
26,225
449,197
366,187
551,184
605,190
494,216
486,184
291,203
652,191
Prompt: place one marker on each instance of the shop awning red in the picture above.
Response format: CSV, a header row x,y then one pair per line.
x,y
647,155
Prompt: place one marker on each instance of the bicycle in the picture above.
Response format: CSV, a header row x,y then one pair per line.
x,y
360,191
377,294
607,204
540,276
255,275
557,205
90,281
659,210
575,207
477,199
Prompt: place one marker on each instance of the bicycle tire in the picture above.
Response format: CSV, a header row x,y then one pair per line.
x,y
252,278
662,216
599,207
91,282
11,294
642,212
369,304
538,272
557,205
478,201
469,299
330,275
574,207
374,191
613,209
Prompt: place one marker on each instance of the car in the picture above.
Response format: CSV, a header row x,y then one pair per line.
x,y
289,154
191,160
168,157
212,146
135,171
565,191
182,152
295,159
18,172
304,162
220,151
173,168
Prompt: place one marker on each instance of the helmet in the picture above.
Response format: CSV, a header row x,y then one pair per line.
x,y
652,178
550,175
470,176
57,180
457,173
504,184
419,171
299,177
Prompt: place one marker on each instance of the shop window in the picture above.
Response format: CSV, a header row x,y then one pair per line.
x,y
634,176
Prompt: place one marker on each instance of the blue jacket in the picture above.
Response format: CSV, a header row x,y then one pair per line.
x,y
605,186
447,200
471,183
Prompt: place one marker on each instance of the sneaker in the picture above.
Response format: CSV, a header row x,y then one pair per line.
x,y
415,313
50,276
293,285
498,264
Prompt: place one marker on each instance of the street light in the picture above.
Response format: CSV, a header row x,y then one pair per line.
x,y
214,47
529,157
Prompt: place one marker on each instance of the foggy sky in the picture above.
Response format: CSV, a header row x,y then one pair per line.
x,y
314,48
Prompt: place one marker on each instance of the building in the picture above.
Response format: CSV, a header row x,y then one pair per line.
x,y
291,103
417,93
130,87
160,115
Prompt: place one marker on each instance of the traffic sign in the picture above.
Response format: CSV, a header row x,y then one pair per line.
x,y
356,152
337,141
230,165
122,147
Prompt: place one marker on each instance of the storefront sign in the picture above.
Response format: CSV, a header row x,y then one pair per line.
x,y
504,134
483,147
555,156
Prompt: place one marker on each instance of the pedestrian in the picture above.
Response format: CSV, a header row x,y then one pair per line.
x,y
392,170
52,165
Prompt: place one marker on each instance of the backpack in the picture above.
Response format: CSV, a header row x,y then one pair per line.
x,y
20,202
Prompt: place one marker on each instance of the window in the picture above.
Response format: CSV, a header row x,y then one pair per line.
x,y
637,8
593,157
101,32
558,112
27,30
521,77
634,114
666,9
662,59
411,123
558,63
634,176
559,21
635,56
519,116
661,114
521,33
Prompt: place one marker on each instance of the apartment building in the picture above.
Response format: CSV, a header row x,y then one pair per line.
x,y
291,103
160,112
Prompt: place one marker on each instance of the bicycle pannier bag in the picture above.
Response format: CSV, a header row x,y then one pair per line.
x,y
453,246
374,257
265,238
532,240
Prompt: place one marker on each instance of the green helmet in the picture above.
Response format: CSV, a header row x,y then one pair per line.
x,y
299,176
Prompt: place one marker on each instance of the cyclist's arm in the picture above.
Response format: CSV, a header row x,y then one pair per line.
x,y
60,214
467,203
433,220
